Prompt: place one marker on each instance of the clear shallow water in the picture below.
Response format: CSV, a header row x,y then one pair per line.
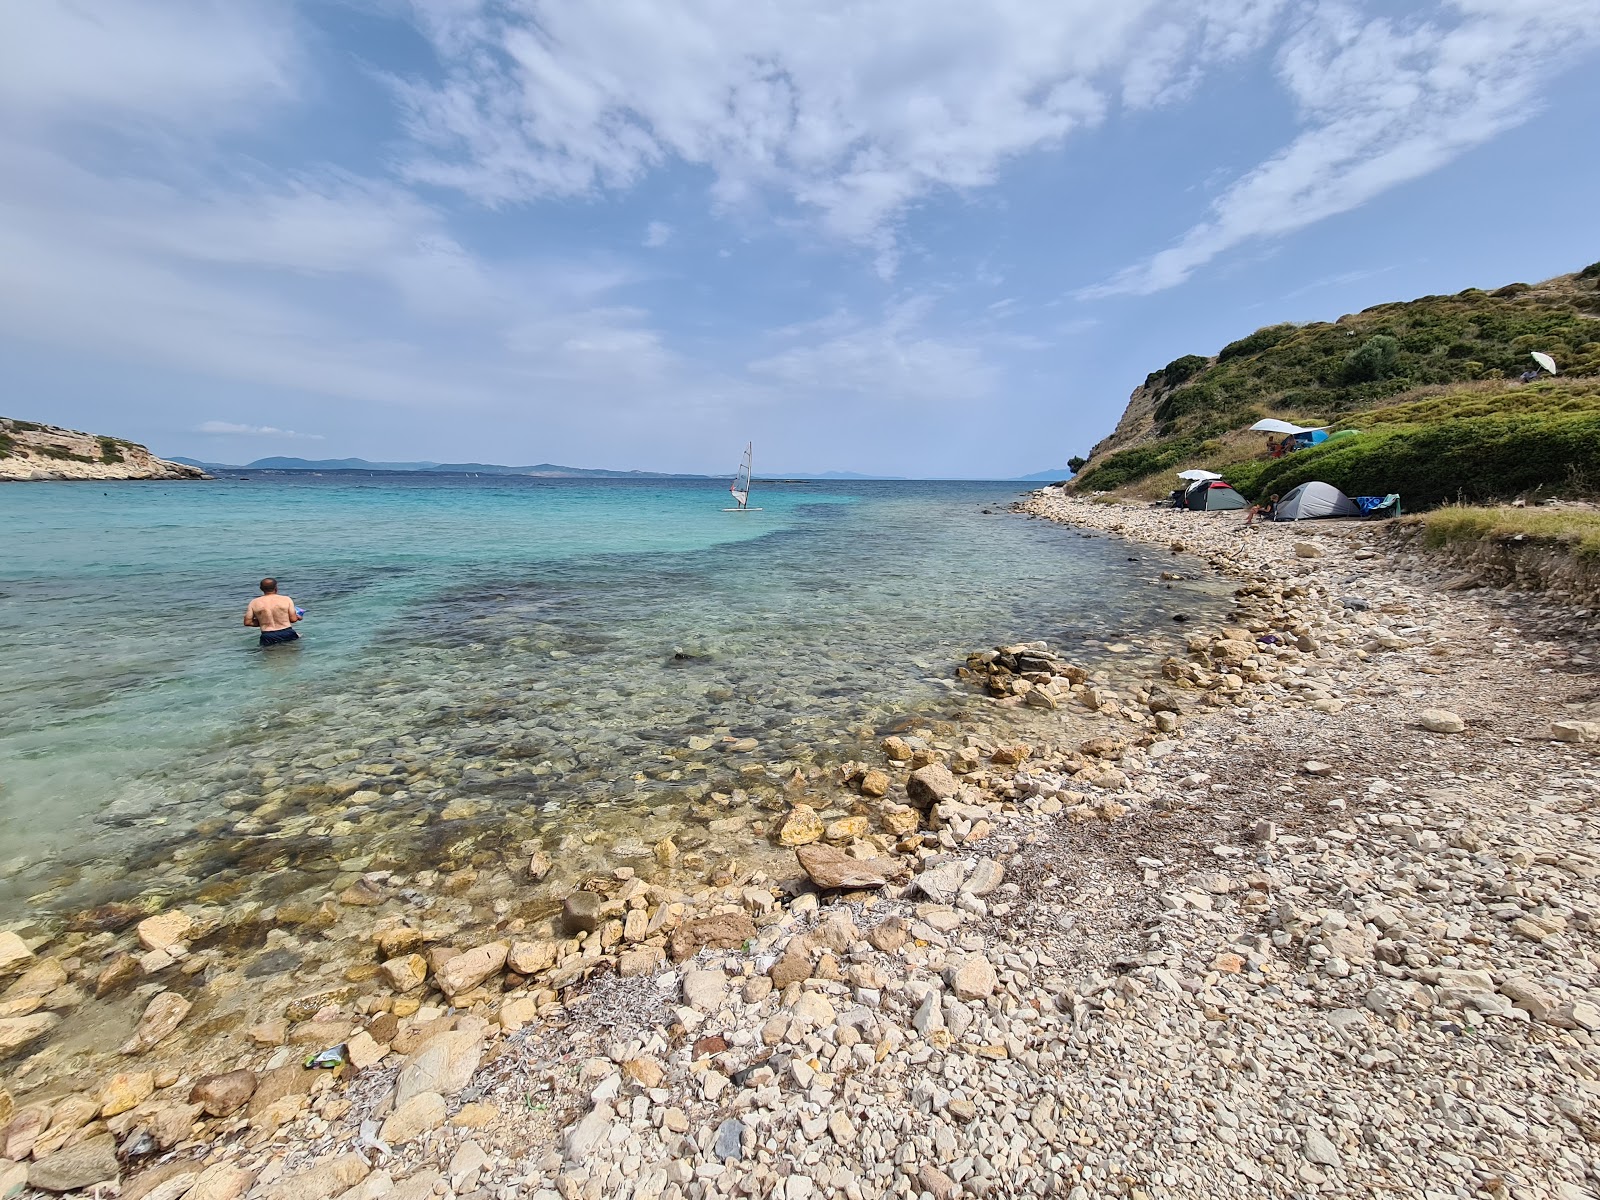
x,y
488,662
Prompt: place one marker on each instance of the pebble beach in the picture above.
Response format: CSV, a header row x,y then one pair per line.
x,y
1309,905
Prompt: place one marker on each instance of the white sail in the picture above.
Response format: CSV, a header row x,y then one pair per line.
x,y
741,482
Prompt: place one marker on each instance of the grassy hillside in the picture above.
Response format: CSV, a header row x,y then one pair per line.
x,y
1429,383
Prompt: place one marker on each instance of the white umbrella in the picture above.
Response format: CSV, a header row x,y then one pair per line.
x,y
1197,475
1544,360
1272,425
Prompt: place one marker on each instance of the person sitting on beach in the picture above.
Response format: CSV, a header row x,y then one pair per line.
x,y
273,614
1264,511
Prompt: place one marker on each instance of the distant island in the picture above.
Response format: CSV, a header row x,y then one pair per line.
x,y
34,453
541,470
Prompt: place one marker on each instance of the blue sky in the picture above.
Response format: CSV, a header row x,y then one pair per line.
x,y
919,238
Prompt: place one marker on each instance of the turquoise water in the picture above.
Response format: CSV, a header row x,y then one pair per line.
x,y
488,662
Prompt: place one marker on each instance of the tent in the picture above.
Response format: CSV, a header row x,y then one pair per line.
x,y
1315,500
1273,426
1308,438
1212,495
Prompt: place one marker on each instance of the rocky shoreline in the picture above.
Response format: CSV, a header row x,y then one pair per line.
x,y
35,453
1313,911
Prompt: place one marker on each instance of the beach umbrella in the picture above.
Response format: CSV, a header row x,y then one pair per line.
x,y
1197,475
1544,360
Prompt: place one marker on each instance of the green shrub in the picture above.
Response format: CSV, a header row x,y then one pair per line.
x,y
110,451
1592,271
1076,463
1262,339
1376,358
1127,466
1471,459
7,444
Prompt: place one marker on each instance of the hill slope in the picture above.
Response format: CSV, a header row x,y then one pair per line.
x,y
30,452
1429,382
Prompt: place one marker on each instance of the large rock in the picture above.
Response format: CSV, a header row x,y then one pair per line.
x,y
444,1064
704,990
972,978
931,785
529,958
13,1179
409,1121
466,971
221,1181
321,1181
875,783
581,912
799,826
291,1079
68,1170
1575,731
942,883
164,930
986,875
125,1090
17,1032
161,1016
724,931
38,981
14,953
1440,720
829,867
405,972
224,1093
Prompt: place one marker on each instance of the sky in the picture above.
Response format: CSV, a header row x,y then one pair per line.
x,y
911,237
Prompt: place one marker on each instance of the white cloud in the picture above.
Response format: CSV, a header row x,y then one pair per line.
x,y
657,234
852,112
230,429
1383,101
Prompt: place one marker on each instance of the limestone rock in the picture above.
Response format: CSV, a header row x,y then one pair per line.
x,y
161,1016
321,1181
896,749
986,876
397,941
514,1014
722,931
1307,550
77,1166
875,783
829,867
971,979
444,1064
466,971
38,981
941,884
793,965
224,1093
704,990
406,972
120,968
13,1179
125,1090
1440,720
409,1121
14,953
221,1181
931,785
531,957
17,1032
164,930
1575,731
899,819
799,826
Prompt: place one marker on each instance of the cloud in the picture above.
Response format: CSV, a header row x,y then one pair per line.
x,y
1383,101
659,233
849,113
230,429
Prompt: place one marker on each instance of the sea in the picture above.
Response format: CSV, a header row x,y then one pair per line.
x,y
615,672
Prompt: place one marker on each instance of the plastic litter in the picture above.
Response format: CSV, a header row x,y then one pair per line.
x,y
330,1059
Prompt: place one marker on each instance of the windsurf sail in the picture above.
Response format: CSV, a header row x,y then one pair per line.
x,y
741,482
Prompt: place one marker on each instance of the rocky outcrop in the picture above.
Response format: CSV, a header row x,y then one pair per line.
x,y
30,452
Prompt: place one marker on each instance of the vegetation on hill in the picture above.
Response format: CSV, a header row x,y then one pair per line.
x,y
1576,529
1429,383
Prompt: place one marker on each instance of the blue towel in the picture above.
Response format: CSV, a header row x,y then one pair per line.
x,y
1372,504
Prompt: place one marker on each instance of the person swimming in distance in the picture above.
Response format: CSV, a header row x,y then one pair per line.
x,y
273,614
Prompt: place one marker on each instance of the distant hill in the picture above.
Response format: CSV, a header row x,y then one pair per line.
x,y
1055,476
31,452
1429,387
542,470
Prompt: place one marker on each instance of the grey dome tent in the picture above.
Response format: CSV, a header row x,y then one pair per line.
x,y
1212,495
1311,500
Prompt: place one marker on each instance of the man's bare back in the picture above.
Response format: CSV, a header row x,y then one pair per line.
x,y
273,614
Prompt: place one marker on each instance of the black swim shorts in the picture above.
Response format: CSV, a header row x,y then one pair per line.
x,y
277,637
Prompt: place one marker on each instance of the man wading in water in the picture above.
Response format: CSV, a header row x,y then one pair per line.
x,y
273,614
